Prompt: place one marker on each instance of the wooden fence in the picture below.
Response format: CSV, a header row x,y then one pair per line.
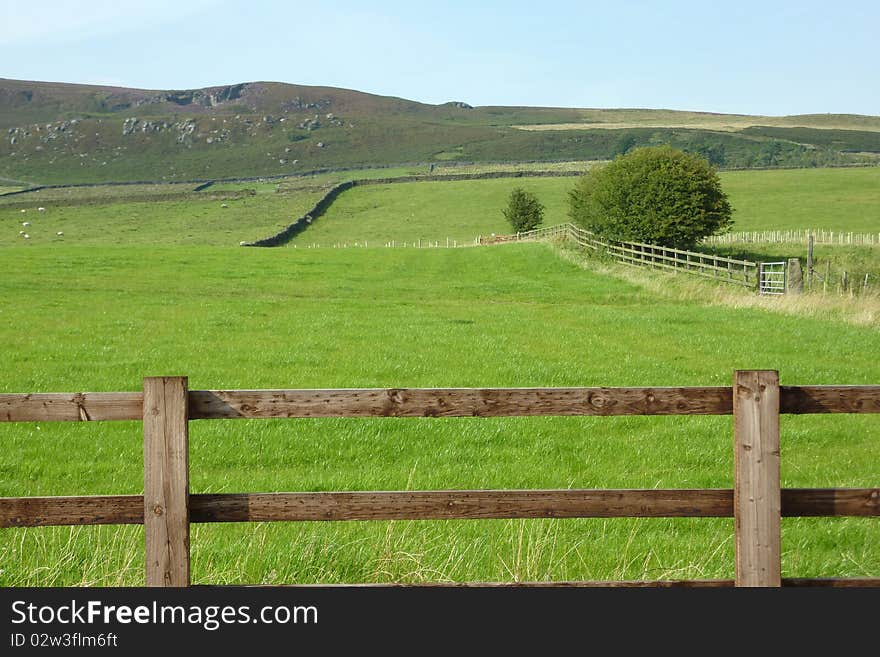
x,y
167,508
639,254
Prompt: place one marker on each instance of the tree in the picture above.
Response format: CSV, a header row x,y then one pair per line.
x,y
625,144
658,195
770,153
524,211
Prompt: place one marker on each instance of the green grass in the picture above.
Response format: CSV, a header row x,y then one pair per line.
x,y
75,318
97,193
833,199
838,199
188,220
829,262
404,212
439,169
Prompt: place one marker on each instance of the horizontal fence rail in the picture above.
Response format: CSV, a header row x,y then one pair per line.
x,y
167,508
432,402
433,505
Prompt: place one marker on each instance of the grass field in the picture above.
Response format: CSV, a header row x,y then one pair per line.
x,y
641,118
459,210
187,220
834,199
100,319
838,199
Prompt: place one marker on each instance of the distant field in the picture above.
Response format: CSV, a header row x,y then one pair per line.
x,y
634,118
184,221
438,170
834,199
459,210
78,318
838,199
98,193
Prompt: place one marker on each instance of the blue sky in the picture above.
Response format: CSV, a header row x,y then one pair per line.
x,y
741,56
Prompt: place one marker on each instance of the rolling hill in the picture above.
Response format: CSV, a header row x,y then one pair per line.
x,y
67,133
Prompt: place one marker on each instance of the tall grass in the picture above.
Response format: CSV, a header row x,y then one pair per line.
x,y
102,318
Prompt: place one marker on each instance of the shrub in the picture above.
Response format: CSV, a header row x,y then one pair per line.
x,y
658,195
524,211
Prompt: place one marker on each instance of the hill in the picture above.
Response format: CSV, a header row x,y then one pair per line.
x,y
67,133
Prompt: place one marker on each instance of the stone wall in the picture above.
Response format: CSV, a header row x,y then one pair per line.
x,y
298,226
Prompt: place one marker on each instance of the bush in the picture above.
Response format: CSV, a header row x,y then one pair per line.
x,y
658,195
524,211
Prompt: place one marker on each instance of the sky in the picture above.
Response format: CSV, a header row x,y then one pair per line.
x,y
773,57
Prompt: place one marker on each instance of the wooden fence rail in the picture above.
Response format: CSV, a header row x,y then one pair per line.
x,y
166,509
639,254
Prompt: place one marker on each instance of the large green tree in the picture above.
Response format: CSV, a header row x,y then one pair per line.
x,y
658,195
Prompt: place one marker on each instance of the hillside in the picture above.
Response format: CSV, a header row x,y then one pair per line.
x,y
66,133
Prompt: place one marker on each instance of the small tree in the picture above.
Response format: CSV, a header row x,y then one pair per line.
x,y
524,211
658,195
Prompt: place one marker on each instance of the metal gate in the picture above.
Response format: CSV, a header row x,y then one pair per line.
x,y
772,278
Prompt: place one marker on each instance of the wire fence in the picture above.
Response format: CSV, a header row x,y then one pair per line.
x,y
837,237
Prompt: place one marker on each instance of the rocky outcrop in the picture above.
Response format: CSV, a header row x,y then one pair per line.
x,y
185,130
297,104
210,97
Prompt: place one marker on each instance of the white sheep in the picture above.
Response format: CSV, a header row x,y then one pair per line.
x,y
23,211
60,233
25,223
26,236
41,209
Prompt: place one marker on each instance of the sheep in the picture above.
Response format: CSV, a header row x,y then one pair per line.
x,y
26,236
25,223
41,209
60,233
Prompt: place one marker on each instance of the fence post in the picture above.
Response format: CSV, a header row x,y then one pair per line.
x,y
757,502
166,481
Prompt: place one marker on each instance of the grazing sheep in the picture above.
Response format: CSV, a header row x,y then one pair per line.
x,y
23,211
26,236
41,209
25,223
60,232
223,205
